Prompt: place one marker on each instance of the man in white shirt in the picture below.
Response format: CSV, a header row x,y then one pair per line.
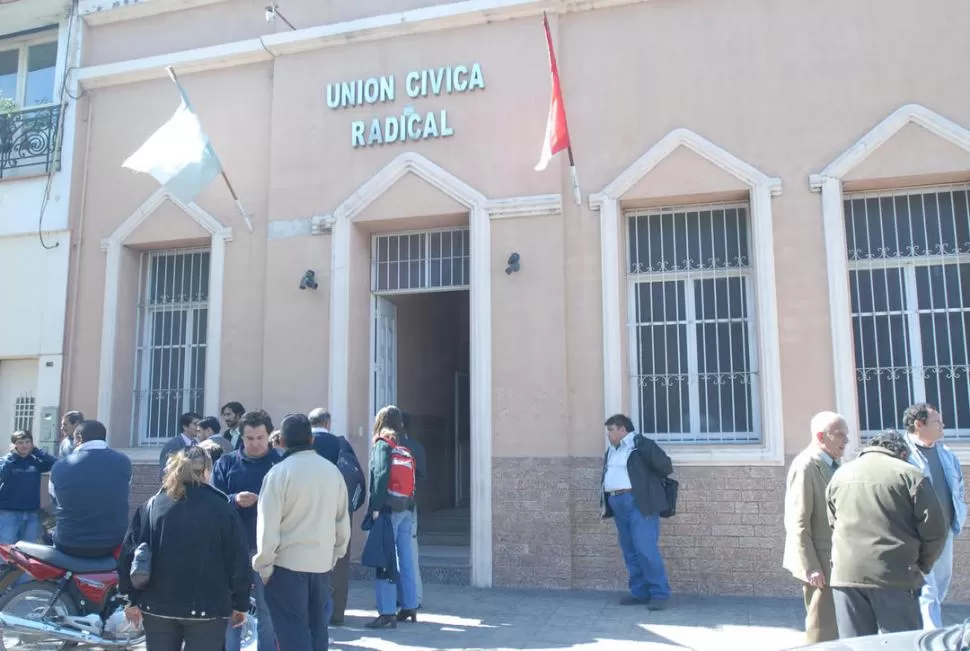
x,y
302,528
633,495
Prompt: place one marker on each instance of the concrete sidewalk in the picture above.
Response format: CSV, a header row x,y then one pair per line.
x,y
463,618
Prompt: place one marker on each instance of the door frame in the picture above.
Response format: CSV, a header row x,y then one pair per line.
x,y
341,225
481,209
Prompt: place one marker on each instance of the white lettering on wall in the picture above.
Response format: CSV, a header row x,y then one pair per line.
x,y
410,125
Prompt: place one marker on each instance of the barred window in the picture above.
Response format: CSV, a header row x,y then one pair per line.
x,y
909,280
694,366
419,261
23,413
173,311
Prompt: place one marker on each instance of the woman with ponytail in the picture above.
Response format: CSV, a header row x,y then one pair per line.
x,y
200,574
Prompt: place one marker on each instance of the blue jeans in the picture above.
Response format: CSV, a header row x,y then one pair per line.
x,y
934,590
266,636
403,524
639,541
19,525
416,564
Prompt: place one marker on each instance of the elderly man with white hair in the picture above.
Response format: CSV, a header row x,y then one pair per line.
x,y
808,535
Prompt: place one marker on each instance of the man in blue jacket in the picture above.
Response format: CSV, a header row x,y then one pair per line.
x,y
89,489
20,473
240,476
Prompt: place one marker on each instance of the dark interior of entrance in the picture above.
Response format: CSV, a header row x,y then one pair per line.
x,y
433,388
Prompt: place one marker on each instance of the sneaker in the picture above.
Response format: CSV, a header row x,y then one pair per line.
x,y
657,604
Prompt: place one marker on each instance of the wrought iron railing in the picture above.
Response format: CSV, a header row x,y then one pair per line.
x,y
28,141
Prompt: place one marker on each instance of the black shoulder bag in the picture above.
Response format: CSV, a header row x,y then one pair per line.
x,y
141,562
670,485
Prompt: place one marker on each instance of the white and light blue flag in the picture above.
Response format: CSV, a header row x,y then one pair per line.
x,y
178,155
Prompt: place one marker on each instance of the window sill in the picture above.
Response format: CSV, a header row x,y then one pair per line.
x,y
689,455
962,450
142,456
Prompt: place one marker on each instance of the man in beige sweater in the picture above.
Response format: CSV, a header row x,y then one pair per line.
x,y
302,529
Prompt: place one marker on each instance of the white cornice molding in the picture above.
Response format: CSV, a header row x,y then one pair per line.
x,y
539,205
322,224
372,28
749,175
101,12
409,162
883,132
211,225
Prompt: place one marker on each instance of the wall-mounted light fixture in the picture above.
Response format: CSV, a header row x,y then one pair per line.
x,y
513,264
273,12
309,280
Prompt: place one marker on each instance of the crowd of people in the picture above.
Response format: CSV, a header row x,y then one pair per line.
x,y
871,540
249,514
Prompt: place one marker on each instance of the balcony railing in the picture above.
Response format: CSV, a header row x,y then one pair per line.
x,y
28,141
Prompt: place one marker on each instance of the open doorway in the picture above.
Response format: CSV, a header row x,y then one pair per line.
x,y
421,349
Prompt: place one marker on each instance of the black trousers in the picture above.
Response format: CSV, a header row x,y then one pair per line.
x,y
163,634
340,581
863,611
297,602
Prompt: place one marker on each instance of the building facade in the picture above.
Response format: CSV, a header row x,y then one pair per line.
x,y
39,41
774,221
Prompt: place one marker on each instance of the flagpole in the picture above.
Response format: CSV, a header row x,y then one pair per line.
x,y
577,195
222,170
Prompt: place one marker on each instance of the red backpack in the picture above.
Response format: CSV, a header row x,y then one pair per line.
x,y
400,485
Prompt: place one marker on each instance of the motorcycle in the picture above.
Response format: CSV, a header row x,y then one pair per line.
x,y
66,602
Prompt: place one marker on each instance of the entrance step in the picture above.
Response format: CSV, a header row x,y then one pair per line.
x,y
440,564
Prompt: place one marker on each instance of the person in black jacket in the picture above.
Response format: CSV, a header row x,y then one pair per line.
x,y
633,495
200,573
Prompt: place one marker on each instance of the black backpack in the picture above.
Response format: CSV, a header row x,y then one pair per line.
x,y
353,475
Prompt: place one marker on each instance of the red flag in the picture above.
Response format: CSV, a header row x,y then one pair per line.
x,y
557,132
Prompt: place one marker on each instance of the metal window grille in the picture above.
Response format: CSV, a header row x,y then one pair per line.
x,y
693,358
909,280
420,261
173,310
24,408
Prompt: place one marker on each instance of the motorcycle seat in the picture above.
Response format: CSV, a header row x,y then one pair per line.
x,y
59,559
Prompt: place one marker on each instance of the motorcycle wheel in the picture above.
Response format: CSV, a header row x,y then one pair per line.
x,y
9,574
29,600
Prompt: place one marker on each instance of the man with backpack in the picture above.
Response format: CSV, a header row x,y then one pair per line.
x,y
333,446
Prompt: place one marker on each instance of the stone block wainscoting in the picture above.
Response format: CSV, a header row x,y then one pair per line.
x,y
727,537
144,484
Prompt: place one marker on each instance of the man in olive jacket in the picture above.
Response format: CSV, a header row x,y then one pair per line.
x,y
887,531
633,495
808,536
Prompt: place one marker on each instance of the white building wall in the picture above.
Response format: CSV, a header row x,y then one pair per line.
x,y
33,291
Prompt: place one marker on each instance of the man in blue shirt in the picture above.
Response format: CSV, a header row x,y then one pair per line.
x,y
924,424
20,473
89,489
240,476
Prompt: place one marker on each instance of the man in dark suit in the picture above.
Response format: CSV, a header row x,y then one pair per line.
x,y
326,444
808,535
187,438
